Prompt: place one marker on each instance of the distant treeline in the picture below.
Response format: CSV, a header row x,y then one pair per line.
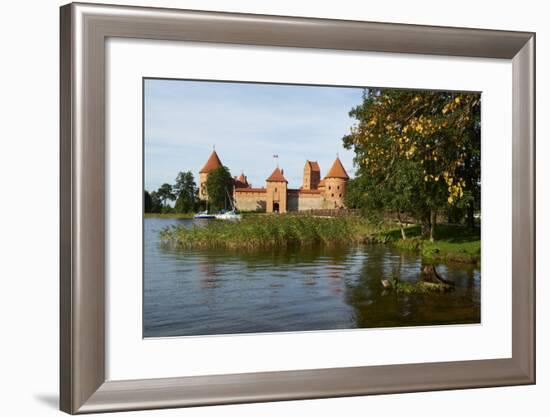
x,y
184,192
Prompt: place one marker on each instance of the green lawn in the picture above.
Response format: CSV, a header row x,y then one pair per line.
x,y
452,243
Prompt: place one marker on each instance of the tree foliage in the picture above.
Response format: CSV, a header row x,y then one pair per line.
x,y
166,193
417,151
147,202
185,190
219,186
152,203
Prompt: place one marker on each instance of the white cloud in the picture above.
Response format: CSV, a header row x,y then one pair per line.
x,y
247,123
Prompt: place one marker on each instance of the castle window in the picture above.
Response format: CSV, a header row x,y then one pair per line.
x,y
340,195
338,187
332,195
329,187
275,189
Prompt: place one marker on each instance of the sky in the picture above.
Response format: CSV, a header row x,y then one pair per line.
x,y
247,124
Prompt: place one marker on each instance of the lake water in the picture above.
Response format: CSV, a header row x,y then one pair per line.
x,y
198,292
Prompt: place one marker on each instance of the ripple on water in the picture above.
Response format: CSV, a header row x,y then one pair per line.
x,y
221,292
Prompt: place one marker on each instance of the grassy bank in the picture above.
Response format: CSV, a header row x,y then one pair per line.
x,y
452,243
169,215
260,231
269,231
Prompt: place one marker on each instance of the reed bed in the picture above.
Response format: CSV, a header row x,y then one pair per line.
x,y
268,231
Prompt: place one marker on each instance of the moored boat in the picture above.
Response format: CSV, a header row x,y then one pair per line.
x,y
228,215
204,215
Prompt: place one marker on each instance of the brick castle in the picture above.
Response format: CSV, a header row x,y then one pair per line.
x,y
276,197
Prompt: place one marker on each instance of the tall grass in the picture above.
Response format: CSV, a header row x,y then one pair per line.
x,y
267,231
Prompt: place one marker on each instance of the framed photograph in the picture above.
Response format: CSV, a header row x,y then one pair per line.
x,y
263,208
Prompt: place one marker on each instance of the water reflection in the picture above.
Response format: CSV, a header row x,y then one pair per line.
x,y
221,292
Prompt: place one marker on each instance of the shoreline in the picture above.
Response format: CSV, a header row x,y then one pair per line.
x,y
168,215
454,244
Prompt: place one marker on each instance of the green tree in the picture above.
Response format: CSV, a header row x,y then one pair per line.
x,y
147,202
165,193
433,136
156,204
356,193
219,186
396,193
185,190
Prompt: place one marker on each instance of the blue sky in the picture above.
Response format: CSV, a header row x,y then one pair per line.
x,y
248,124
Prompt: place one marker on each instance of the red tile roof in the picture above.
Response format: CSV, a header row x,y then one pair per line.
x,y
337,170
250,190
277,176
241,182
212,163
314,165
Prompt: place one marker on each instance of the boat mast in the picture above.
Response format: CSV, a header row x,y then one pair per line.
x,y
229,197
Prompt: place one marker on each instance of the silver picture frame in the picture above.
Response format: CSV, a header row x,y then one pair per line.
x,y
83,34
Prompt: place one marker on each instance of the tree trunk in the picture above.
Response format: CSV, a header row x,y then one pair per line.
x,y
403,234
425,225
433,220
471,220
429,274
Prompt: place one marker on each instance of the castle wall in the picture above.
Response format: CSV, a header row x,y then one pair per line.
x,y
250,201
300,200
295,201
292,201
310,201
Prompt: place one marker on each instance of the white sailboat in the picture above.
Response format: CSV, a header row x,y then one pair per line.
x,y
231,214
204,214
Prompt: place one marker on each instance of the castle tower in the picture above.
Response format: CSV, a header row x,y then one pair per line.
x,y
335,183
241,181
312,175
276,188
211,164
